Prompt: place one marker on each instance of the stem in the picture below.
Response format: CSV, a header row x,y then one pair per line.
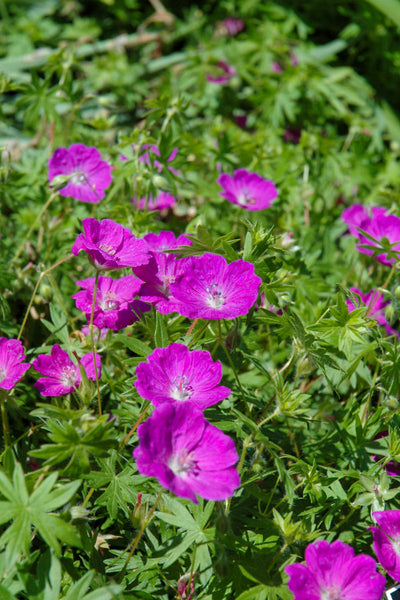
x,y
136,425
88,496
42,275
5,424
139,535
389,277
196,337
32,227
96,281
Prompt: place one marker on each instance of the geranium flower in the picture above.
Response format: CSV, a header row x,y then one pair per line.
x,y
115,306
359,216
381,227
332,572
175,373
248,190
62,376
224,72
376,305
160,202
233,25
161,270
387,541
89,175
12,367
187,455
109,245
210,288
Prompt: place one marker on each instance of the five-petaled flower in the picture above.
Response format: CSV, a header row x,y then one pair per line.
x,y
332,572
109,245
248,190
88,175
115,305
387,541
210,288
175,373
61,375
187,454
12,367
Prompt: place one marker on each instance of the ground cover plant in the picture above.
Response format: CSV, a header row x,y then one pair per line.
x,y
199,334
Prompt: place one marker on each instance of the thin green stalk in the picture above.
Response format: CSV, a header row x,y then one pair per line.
x,y
199,334
5,423
139,535
96,282
36,221
389,277
136,425
39,281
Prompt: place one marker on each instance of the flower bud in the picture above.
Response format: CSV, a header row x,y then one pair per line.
x,y
389,313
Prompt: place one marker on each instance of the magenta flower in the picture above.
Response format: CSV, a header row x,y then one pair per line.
x,y
89,175
210,288
115,306
109,245
359,216
162,270
176,374
276,67
62,376
248,190
12,367
160,202
187,455
382,227
223,73
387,541
332,572
375,303
233,25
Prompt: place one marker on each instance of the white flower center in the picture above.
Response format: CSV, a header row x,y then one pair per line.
x,y
245,197
68,376
182,464
108,249
180,389
109,301
79,178
333,593
215,299
3,373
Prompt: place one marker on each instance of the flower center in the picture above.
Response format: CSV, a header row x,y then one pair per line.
x,y
108,249
78,178
396,545
3,373
180,388
68,376
333,593
245,198
109,301
215,298
183,464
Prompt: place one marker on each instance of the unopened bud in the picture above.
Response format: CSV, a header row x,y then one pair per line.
x,y
46,292
389,313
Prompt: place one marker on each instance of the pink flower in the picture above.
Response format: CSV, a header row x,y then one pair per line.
x,y
248,190
332,572
382,227
387,541
175,373
109,245
359,216
62,376
210,288
187,455
224,72
115,304
160,202
89,175
276,67
375,303
233,25
12,369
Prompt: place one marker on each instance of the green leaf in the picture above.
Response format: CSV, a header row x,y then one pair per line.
x,y
390,8
134,344
160,334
